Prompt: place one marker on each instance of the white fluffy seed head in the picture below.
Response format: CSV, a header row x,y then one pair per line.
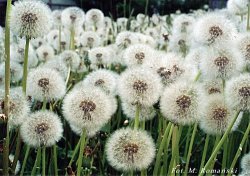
x,y
87,108
171,67
179,103
243,44
129,149
16,71
245,163
19,107
53,36
45,53
136,55
237,7
237,92
216,115
213,29
221,63
125,39
95,17
90,39
71,59
30,18
42,128
210,87
99,56
146,112
72,17
139,86
57,17
57,64
104,79
45,83
183,24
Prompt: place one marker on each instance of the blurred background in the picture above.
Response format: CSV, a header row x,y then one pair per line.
x,y
116,7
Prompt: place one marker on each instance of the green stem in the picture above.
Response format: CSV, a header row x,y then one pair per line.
x,y
197,77
146,8
187,141
214,154
60,38
25,160
204,154
79,164
124,7
43,160
165,157
248,17
237,155
144,172
224,159
72,35
190,148
38,158
217,140
25,65
175,148
55,159
159,153
137,117
44,103
17,151
7,89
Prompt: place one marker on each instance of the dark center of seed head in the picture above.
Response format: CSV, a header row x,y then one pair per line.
x,y
41,128
99,82
44,83
140,56
140,86
214,90
219,113
130,149
221,62
163,72
215,31
244,91
183,102
73,17
87,106
247,52
29,18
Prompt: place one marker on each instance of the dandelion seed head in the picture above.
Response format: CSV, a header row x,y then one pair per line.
x,y
99,56
45,83
72,17
71,59
125,39
30,18
42,128
95,16
129,149
139,86
45,53
90,39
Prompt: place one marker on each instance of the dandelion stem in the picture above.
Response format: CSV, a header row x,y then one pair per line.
x,y
237,155
7,90
248,17
204,154
17,151
190,148
214,154
175,147
72,35
187,140
25,160
79,164
137,117
60,38
146,8
55,159
159,153
74,153
224,159
37,161
217,140
197,77
44,103
43,160
25,65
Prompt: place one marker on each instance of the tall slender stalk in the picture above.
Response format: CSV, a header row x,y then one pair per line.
x,y
79,164
72,36
37,161
214,154
137,117
74,153
55,159
240,148
175,147
146,7
204,154
7,90
190,148
124,7
25,65
17,151
43,160
159,153
225,152
25,160
248,17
